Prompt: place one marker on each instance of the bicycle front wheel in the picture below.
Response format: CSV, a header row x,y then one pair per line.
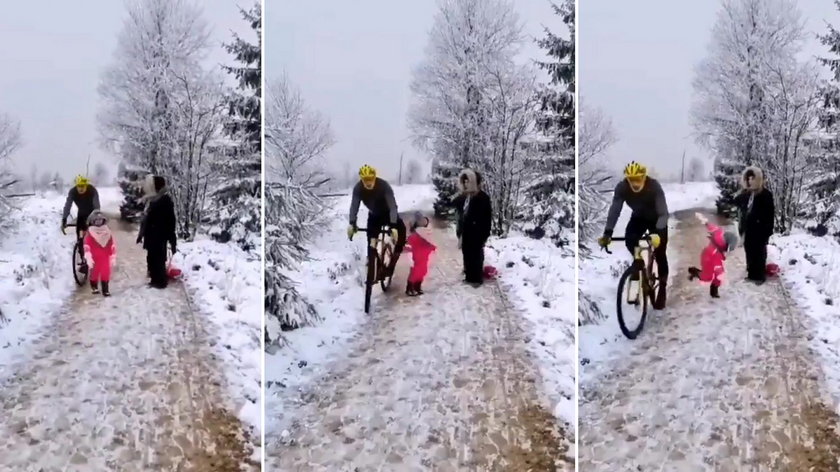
x,y
370,280
387,275
80,269
631,302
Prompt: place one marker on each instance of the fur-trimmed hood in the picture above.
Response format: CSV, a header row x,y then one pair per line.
x,y
154,187
758,179
470,182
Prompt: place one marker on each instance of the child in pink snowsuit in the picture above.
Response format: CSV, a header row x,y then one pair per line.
x,y
421,249
713,257
100,252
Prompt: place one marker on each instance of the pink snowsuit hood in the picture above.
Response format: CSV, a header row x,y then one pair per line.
x,y
421,250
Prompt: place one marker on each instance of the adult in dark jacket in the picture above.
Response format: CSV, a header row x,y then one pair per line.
x,y
757,214
157,229
474,221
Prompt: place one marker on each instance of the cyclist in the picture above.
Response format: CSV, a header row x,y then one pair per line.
x,y
378,197
86,198
644,195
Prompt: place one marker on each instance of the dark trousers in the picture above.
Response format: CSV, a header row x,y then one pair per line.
x,y
473,252
756,251
156,263
81,227
636,228
375,224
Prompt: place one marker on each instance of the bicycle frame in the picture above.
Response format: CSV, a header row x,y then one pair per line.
x,y
645,246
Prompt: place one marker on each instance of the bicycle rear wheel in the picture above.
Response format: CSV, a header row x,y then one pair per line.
x,y
631,302
387,274
371,276
79,274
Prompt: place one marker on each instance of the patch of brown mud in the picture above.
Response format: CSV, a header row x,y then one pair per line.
x,y
824,453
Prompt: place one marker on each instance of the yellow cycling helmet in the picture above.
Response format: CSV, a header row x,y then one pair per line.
x,y
367,172
636,175
634,169
82,181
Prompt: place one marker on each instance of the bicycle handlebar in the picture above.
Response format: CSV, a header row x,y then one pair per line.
x,y
606,249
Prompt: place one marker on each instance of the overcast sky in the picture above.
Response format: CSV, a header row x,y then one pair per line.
x,y
636,62
52,58
353,61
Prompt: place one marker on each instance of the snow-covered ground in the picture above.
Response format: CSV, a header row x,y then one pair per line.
x,y
541,279
809,272
599,277
225,283
35,277
333,284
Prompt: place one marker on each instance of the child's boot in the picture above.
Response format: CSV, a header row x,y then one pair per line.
x,y
94,287
713,291
409,289
105,289
418,288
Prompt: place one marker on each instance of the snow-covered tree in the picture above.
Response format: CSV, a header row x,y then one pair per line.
x,y
158,56
236,196
10,138
754,45
449,114
296,137
291,221
550,206
197,118
595,136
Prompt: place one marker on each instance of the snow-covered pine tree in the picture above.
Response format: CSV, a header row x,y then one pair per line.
x,y
130,179
235,212
727,177
550,206
292,217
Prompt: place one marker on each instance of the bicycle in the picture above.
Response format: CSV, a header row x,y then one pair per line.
x,y
80,267
379,253
644,269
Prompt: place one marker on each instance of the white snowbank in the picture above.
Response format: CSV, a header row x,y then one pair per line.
x,y
599,278
541,279
35,275
808,266
225,283
333,284
35,270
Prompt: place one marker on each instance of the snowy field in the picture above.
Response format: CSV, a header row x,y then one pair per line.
x,y
225,284
35,276
809,271
599,278
333,285
540,281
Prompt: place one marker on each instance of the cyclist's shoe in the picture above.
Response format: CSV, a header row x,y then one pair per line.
x,y
105,290
94,288
661,297
713,291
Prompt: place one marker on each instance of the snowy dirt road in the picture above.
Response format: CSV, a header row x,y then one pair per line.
x,y
725,385
125,383
439,382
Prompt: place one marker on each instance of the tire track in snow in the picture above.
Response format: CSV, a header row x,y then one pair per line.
x,y
439,382
121,383
727,384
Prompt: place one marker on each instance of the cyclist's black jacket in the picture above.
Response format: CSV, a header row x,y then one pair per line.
x,y
649,204
379,201
85,202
